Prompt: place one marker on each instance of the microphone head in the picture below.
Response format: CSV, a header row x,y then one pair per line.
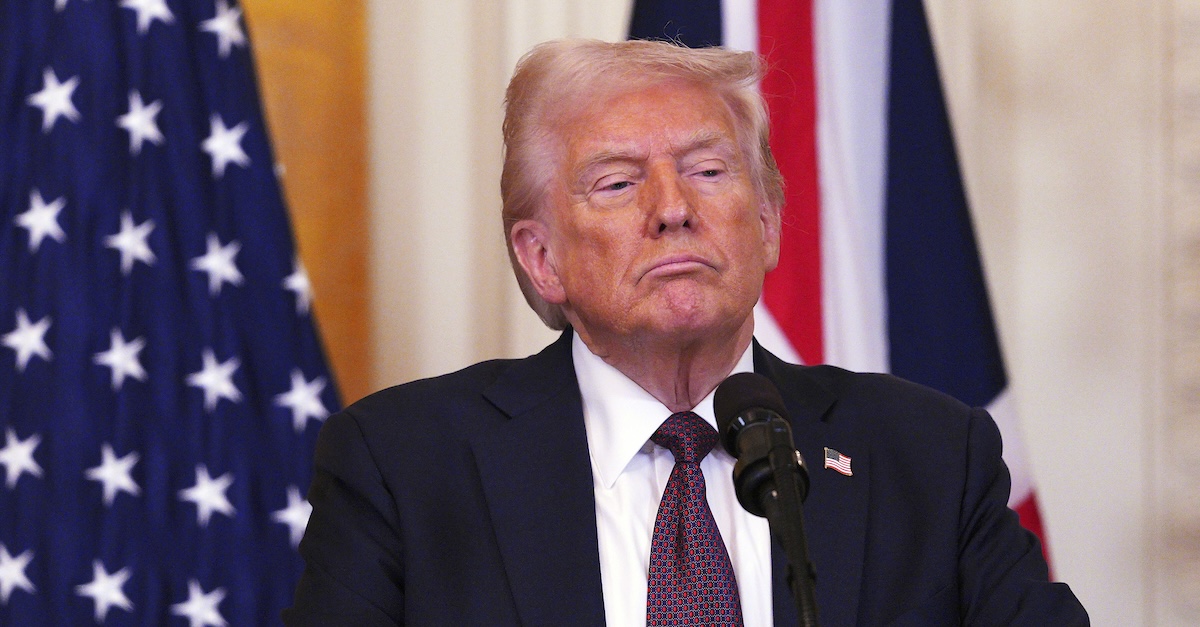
x,y
738,394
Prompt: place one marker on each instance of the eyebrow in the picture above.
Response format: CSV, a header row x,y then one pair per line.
x,y
702,139
705,138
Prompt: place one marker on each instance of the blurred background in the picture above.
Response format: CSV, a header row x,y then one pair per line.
x,y
1078,127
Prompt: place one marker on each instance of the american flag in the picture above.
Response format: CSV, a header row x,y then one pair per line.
x,y
161,381
838,462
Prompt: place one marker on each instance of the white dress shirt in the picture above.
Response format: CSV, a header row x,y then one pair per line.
x,y
629,475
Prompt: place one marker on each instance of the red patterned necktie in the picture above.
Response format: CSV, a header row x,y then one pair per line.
x,y
691,579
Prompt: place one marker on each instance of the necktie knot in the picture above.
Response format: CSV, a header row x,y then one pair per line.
x,y
687,436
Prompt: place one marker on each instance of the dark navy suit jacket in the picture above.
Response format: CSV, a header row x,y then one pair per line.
x,y
467,499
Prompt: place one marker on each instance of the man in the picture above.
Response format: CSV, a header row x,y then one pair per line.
x,y
642,210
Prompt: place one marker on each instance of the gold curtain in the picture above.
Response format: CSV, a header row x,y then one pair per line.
x,y
311,67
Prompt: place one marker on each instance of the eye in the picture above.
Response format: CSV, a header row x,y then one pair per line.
x,y
708,173
708,169
613,183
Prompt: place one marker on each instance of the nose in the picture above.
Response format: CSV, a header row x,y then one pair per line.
x,y
670,208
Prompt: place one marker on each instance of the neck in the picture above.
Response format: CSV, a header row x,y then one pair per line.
x,y
679,373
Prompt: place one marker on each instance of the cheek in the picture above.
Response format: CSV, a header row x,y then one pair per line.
x,y
746,231
603,241
589,261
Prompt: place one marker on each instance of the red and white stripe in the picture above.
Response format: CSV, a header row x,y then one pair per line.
x,y
829,58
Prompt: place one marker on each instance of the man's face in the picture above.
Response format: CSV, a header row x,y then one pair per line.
x,y
653,228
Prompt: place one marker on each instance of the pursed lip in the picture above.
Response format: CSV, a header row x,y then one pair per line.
x,y
677,264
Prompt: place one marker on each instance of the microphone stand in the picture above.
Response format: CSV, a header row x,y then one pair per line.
x,y
784,508
769,477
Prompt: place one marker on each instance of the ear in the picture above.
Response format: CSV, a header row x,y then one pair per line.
x,y
772,226
531,244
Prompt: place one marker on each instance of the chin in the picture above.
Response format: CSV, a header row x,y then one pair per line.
x,y
695,324
686,313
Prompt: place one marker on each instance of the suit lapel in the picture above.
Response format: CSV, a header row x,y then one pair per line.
x,y
835,512
536,477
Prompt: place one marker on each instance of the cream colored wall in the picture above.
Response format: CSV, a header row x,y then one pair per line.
x,y
1058,114
444,296
1058,111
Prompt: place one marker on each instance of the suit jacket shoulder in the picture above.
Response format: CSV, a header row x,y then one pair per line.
x,y
920,532
461,499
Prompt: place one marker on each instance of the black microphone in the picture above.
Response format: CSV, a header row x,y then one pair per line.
x,y
751,424
770,478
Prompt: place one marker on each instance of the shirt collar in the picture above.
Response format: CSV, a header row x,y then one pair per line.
x,y
619,415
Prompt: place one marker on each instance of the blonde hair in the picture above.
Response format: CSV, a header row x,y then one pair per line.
x,y
558,79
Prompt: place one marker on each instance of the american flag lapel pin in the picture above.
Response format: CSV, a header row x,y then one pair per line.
x,y
837,461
